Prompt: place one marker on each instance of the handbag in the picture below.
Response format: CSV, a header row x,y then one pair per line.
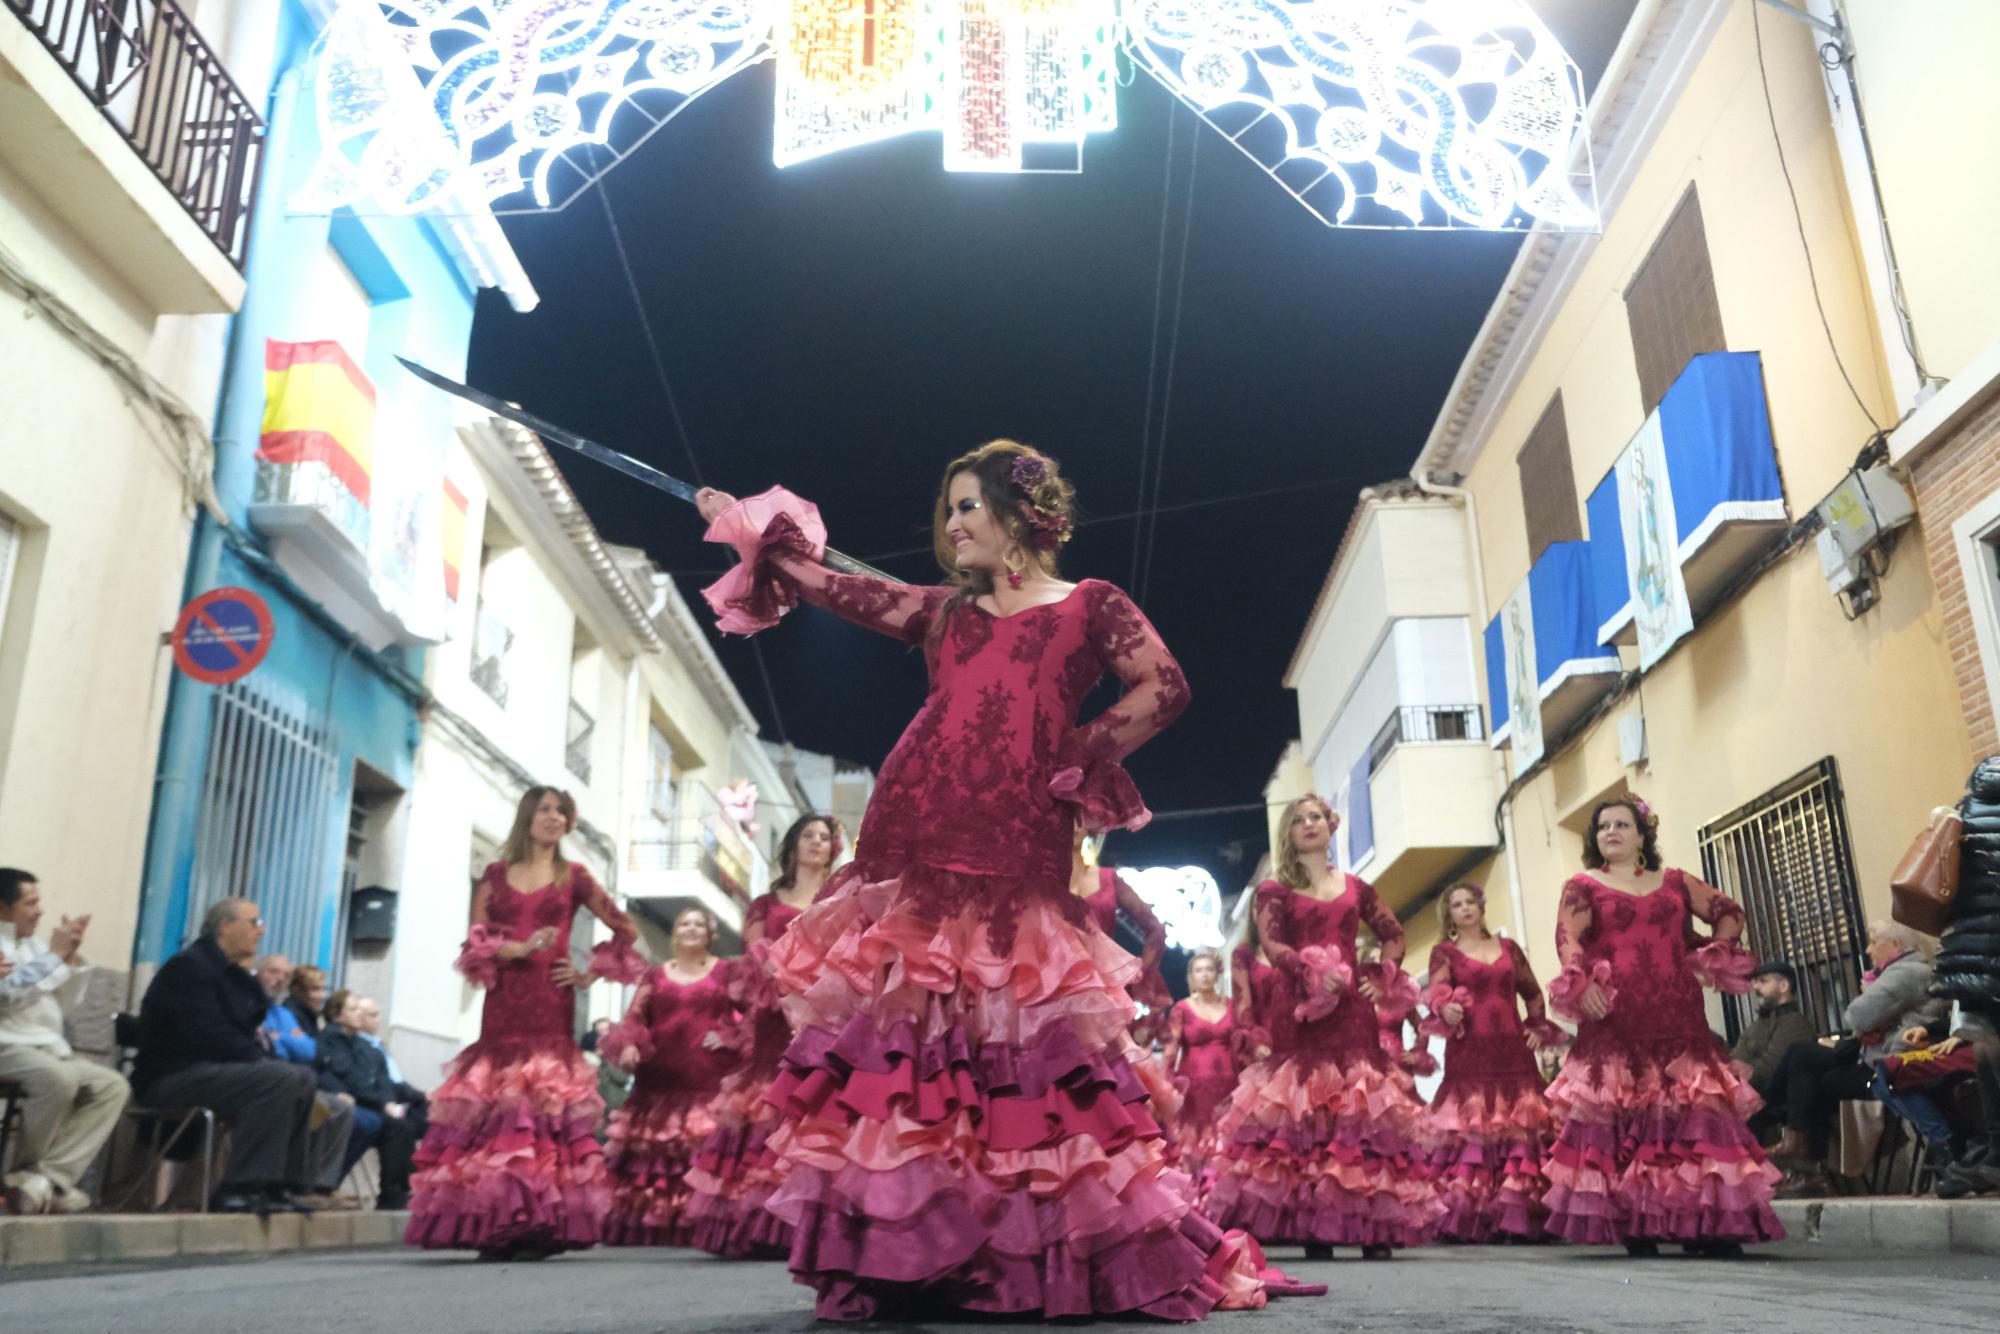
x,y
1925,881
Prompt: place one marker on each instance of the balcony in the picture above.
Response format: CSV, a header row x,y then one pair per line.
x,y
687,852
576,745
1426,802
121,117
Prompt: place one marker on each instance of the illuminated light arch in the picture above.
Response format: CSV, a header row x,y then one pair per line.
x,y
1371,113
1186,899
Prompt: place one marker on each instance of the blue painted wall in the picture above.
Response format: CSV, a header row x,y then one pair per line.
x,y
422,309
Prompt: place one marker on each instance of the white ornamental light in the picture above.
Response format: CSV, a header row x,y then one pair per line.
x,y
1185,899
1371,113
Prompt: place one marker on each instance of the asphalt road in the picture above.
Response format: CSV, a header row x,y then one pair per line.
x,y
1798,1286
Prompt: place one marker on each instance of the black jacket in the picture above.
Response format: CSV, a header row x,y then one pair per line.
x,y
200,1008
309,1021
1769,1036
1967,967
348,1064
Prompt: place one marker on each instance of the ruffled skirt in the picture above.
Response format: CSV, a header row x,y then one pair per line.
x,y
1320,1151
649,1152
510,1160
735,1173
1654,1149
963,1127
1487,1139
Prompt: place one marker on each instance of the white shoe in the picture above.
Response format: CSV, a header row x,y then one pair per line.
x,y
29,1193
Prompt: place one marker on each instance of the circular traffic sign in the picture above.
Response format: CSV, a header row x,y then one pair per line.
x,y
222,635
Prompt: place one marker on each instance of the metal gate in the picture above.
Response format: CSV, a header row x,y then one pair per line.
x,y
1787,858
268,801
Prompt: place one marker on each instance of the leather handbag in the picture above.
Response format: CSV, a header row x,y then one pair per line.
x,y
1925,881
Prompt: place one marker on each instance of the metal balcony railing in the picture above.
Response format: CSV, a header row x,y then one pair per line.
x,y
576,749
697,835
144,65
1422,723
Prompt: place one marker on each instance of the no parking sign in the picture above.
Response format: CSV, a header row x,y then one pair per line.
x,y
222,635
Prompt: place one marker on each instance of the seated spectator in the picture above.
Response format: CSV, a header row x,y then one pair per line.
x,y
1779,1026
332,1119
1894,998
1930,1068
200,1045
306,999
72,1105
614,1086
390,1116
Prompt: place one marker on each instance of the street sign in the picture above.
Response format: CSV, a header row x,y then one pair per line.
x,y
222,635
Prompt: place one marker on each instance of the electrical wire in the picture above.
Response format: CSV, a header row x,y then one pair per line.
x,y
1153,355
1173,357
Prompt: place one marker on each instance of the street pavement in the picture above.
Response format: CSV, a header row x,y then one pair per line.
x,y
1798,1286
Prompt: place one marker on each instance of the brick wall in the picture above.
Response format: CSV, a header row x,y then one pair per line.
x,y
1950,480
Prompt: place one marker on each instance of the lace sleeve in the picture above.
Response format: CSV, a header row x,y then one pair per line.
x,y
633,1033
1722,961
1388,931
614,958
1141,916
756,921
1170,1045
781,539
1574,917
1156,693
479,957
1530,992
1249,1033
1274,925
1438,993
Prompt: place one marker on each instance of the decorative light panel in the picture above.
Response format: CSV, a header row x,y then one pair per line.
x,y
1397,113
1186,899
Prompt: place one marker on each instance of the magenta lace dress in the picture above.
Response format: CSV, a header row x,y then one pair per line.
x,y
961,1125
1489,1124
1652,1145
1205,1052
510,1160
655,1134
1321,1141
735,1172
1115,898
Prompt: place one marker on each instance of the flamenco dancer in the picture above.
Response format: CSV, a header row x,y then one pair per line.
x,y
678,1039
1202,1057
1321,1141
961,1128
1652,1146
1488,1125
509,1166
1107,896
734,1170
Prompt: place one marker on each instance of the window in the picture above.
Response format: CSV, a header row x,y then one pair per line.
x,y
1671,303
1548,485
490,641
1787,859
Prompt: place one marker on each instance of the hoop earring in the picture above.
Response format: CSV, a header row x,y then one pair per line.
x,y
1014,572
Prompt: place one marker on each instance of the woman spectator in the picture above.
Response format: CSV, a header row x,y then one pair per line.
x,y
306,999
1489,1125
1653,1146
510,1167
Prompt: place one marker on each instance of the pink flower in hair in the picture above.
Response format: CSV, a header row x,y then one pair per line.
x,y
1029,471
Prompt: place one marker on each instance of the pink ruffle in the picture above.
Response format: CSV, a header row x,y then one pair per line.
x,y
1398,988
751,597
1724,965
650,1149
1435,999
617,961
1567,988
479,958
1105,796
1322,963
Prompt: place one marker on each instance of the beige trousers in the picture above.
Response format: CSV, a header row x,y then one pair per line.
x,y
71,1109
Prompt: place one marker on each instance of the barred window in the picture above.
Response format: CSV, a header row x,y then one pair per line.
x,y
1671,303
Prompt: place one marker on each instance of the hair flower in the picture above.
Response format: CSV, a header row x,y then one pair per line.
x,y
1029,471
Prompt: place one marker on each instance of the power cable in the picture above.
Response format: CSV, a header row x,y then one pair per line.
x,y
1153,355
1173,357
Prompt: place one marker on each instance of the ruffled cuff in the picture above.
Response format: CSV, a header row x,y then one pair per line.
x,y
1419,1062
618,961
1322,962
752,596
627,1034
479,958
1245,1041
1549,1031
1567,988
1150,990
1435,999
1105,796
1399,991
1724,965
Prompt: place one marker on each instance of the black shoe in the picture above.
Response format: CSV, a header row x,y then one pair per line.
x,y
1378,1252
392,1203
1714,1250
238,1202
1318,1250
1642,1250
284,1201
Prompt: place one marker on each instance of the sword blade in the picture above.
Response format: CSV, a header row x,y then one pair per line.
x,y
604,454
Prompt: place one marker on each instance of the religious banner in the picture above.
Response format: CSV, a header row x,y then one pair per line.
x,y
1659,598
1524,697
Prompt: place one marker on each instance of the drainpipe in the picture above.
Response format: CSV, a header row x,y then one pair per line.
x,y
1470,507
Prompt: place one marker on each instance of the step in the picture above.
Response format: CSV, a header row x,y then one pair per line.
x,y
115,1238
1967,1227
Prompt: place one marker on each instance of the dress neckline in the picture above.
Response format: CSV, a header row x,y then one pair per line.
x,y
1666,878
1221,1018
568,871
1346,887
714,962
1039,606
1494,962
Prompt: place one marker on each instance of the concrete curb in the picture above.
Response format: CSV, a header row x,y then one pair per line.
x,y
1964,1227
115,1238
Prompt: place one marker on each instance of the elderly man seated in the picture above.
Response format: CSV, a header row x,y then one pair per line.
x,y
72,1105
201,1044
391,1116
333,1118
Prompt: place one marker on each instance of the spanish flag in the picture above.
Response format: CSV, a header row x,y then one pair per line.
x,y
452,537
318,408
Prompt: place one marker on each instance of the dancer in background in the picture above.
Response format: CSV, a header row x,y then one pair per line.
x,y
962,1129
678,1038
1488,1125
1653,1146
734,1170
509,1166
1107,896
1320,1145
1202,1058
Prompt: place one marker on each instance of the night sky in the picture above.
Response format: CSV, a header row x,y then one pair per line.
x,y
849,325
